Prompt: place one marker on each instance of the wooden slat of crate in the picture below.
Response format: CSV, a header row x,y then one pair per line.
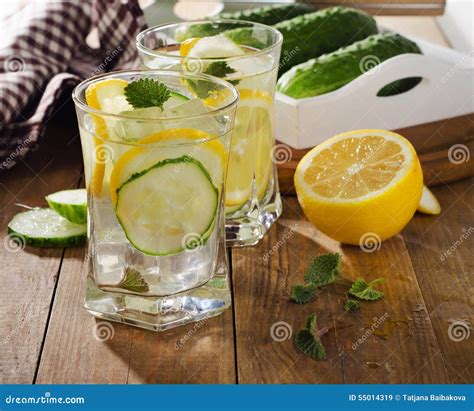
x,y
392,7
432,142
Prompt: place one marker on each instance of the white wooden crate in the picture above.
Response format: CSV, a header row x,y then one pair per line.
x,y
447,90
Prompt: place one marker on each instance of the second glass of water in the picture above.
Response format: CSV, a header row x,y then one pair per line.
x,y
245,54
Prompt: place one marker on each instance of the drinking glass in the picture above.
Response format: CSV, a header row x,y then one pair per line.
x,y
155,184
252,201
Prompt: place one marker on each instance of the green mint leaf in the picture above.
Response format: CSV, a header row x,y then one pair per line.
x,y
146,92
324,269
303,294
365,291
219,69
351,305
308,341
133,281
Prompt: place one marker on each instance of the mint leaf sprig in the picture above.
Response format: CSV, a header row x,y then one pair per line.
x,y
322,271
133,281
351,305
365,291
362,291
308,340
219,69
303,293
146,92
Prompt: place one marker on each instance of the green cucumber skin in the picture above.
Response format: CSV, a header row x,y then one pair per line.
x,y
268,15
46,242
72,212
314,34
162,163
332,71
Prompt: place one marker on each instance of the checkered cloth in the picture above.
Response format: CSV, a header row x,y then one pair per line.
x,y
43,52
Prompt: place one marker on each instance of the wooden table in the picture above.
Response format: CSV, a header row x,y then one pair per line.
x,y
46,336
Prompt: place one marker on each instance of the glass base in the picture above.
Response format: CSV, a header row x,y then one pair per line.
x,y
246,229
161,313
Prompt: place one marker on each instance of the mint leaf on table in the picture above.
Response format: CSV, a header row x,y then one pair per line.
x,y
133,281
308,340
324,269
303,293
146,92
351,305
365,291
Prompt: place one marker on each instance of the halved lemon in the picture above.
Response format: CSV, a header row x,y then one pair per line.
x,y
250,152
429,204
359,183
194,143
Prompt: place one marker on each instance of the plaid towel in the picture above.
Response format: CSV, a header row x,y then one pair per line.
x,y
43,52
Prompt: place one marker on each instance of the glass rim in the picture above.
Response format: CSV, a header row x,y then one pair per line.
x,y
146,50
82,86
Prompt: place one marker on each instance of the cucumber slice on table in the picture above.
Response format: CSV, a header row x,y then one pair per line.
x,y
44,227
169,207
71,204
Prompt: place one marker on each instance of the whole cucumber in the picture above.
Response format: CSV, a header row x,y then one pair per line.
x,y
334,70
268,15
314,34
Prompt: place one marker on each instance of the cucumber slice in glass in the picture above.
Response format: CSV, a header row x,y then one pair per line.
x,y
174,100
71,204
169,207
44,227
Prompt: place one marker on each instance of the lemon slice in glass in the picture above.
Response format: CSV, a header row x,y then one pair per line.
x,y
251,146
168,144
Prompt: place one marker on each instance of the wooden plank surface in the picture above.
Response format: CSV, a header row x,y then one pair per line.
x,y
441,250
28,276
399,339
408,337
389,8
112,353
